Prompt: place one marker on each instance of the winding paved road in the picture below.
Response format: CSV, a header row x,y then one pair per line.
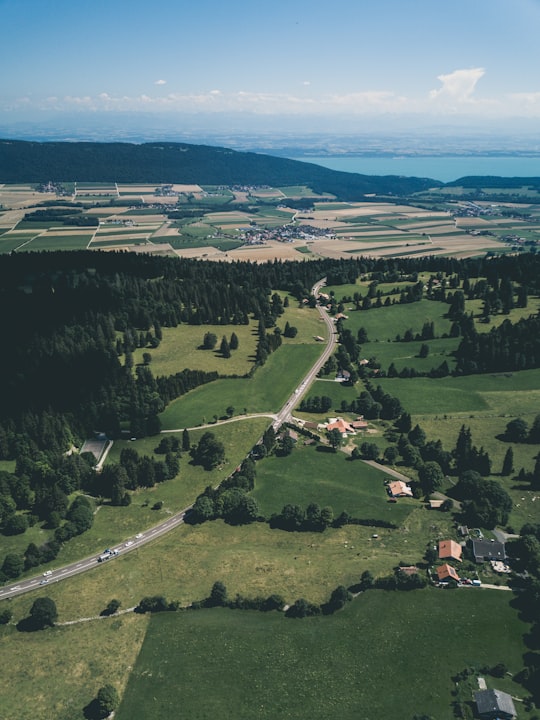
x,y
131,544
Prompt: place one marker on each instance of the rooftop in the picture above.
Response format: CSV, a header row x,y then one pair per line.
x,y
449,549
494,704
445,572
488,550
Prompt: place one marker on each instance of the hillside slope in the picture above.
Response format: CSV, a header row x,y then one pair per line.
x,y
163,162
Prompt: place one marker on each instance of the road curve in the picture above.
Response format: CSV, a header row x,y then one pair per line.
x,y
129,545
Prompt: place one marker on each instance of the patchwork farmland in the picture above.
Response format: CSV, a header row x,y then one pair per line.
x,y
259,224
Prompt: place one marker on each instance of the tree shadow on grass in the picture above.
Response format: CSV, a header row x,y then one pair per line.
x,y
29,624
92,710
325,449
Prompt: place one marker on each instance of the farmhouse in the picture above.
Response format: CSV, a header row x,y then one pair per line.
x,y
494,705
446,572
343,375
399,489
344,427
449,549
488,550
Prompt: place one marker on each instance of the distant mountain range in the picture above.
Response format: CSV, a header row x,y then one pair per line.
x,y
167,162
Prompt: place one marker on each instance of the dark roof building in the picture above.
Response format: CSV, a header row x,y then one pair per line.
x,y
488,550
494,705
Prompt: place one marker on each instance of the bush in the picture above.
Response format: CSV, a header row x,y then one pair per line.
x,y
5,615
152,603
16,525
302,608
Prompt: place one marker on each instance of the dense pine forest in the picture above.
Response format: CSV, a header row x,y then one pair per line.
x,y
72,321
23,161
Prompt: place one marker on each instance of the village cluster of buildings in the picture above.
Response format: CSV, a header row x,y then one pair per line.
x,y
482,551
284,233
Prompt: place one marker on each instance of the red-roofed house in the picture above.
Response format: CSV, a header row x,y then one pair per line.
x,y
449,549
342,425
446,572
399,489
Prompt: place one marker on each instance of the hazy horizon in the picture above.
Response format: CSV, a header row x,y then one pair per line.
x,y
235,69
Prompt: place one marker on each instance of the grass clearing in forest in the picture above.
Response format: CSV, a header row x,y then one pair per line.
x,y
58,671
406,354
181,347
266,391
385,323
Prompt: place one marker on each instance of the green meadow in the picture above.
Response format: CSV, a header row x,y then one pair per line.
x,y
509,394
50,241
312,474
252,665
406,354
266,391
385,323
181,347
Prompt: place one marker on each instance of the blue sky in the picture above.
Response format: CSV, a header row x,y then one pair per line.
x,y
444,62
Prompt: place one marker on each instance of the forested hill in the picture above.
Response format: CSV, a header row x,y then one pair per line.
x,y
164,162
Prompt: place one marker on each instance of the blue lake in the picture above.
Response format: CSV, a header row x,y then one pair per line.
x,y
443,168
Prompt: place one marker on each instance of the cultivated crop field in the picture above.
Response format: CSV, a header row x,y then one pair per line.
x,y
367,228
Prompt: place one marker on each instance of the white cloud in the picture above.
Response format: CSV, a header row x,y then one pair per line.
x,y
458,86
455,96
160,82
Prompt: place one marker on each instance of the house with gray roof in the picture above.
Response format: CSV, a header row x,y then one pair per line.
x,y
488,550
494,705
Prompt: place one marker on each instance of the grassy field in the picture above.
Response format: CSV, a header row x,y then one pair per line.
x,y
180,348
501,394
386,323
9,242
406,354
335,390
50,241
113,525
249,665
57,672
266,391
309,475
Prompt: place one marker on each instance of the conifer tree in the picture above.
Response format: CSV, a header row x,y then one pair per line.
x,y
508,463
224,348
